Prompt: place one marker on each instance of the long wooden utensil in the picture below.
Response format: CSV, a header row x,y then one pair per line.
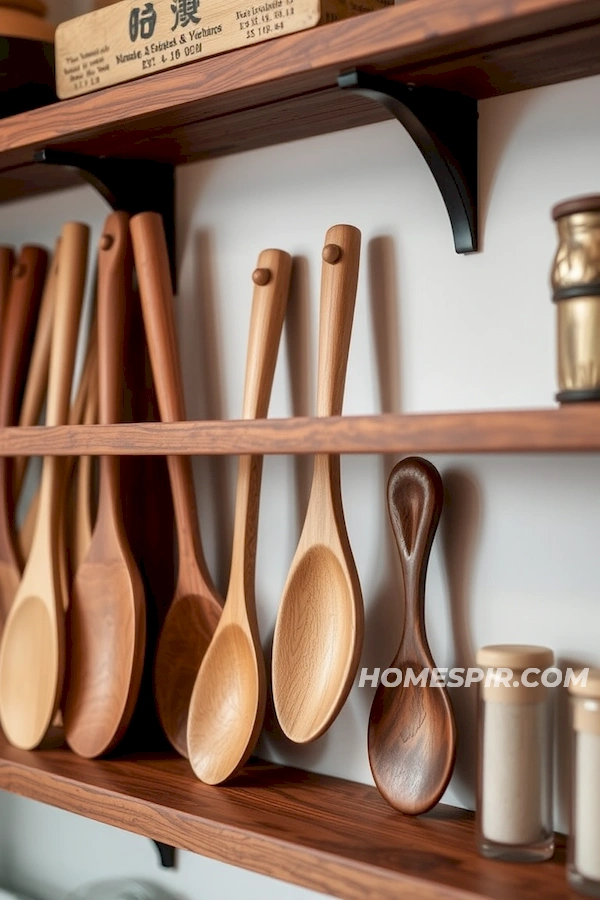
x,y
319,629
196,606
7,259
33,643
21,312
107,615
229,697
412,735
37,374
83,520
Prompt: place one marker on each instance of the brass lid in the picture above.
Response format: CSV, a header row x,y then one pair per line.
x,y
515,656
584,203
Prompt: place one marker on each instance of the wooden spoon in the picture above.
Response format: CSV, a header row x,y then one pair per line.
x,y
37,374
21,311
319,629
229,697
7,259
32,646
82,514
196,606
412,735
107,615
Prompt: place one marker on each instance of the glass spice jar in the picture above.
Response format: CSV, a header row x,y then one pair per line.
x,y
514,785
583,865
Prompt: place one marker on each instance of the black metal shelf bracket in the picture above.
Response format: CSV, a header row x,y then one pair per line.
x,y
443,125
166,853
130,185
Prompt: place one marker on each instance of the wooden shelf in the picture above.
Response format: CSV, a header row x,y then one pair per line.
x,y
567,429
324,833
287,88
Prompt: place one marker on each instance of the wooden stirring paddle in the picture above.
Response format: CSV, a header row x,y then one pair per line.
x,y
196,606
229,697
412,735
21,312
33,643
107,614
319,629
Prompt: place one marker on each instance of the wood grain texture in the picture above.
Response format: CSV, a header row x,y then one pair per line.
x,y
320,623
407,37
32,649
106,627
7,259
22,307
324,833
569,429
228,700
37,373
196,605
412,733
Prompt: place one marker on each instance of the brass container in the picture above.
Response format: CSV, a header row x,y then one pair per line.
x,y
576,291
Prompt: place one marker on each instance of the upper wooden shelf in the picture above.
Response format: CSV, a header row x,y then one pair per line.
x,y
287,88
327,834
567,429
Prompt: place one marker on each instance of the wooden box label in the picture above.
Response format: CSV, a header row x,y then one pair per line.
x,y
133,38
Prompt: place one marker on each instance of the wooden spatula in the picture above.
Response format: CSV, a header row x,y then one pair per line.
x,y
107,615
32,647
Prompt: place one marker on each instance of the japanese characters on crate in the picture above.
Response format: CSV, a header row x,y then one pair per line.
x,y
132,38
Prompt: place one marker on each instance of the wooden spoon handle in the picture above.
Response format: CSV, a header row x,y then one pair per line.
x,y
7,259
271,288
21,312
156,296
415,496
339,280
37,375
70,283
112,254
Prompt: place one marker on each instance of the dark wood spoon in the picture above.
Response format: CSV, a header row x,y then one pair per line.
x,y
412,734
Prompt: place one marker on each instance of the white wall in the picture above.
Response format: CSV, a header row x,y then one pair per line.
x,y
516,558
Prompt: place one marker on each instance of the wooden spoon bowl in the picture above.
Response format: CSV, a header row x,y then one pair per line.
x,y
412,735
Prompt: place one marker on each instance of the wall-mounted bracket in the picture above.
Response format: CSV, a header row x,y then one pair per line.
x,y
443,125
130,185
166,853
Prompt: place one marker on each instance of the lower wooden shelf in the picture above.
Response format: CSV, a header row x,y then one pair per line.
x,y
331,835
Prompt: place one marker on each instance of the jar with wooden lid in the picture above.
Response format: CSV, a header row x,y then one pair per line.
x,y
514,784
576,292
583,867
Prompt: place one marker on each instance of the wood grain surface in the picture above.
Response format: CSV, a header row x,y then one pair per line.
x,y
324,833
486,46
569,429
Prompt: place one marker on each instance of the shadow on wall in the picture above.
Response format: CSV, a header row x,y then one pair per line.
x,y
122,889
460,528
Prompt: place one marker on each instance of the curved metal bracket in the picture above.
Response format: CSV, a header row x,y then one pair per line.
x,y
166,853
131,185
443,125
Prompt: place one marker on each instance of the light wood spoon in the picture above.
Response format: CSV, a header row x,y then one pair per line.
x,y
7,259
196,606
107,614
20,315
412,735
33,643
319,629
229,697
